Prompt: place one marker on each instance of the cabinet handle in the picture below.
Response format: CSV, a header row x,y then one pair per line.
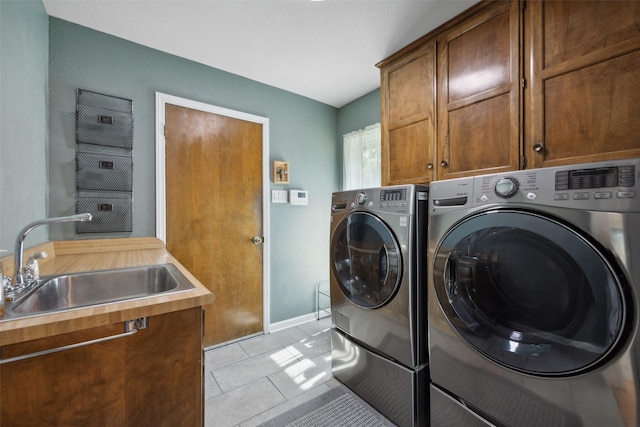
x,y
131,327
444,164
538,148
429,166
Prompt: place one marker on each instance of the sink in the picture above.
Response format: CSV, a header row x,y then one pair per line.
x,y
99,287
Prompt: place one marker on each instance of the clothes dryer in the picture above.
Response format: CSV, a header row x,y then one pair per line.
x,y
533,309
378,298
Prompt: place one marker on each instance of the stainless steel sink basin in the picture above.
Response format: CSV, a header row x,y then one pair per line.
x,y
99,287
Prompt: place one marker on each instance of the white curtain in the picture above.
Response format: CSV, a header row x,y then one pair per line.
x,y
362,158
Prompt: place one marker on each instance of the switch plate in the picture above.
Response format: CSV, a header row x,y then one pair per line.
x,y
279,196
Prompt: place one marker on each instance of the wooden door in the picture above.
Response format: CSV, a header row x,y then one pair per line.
x,y
408,118
585,62
479,104
214,210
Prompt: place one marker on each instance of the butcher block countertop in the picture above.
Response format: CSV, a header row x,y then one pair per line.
x,y
90,255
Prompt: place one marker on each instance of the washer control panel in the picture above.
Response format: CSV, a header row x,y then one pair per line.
x,y
600,186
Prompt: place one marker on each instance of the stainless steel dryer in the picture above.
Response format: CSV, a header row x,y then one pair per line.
x,y
533,309
378,298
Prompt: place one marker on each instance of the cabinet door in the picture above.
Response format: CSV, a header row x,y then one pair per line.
x,y
585,57
408,117
82,387
479,89
151,378
164,370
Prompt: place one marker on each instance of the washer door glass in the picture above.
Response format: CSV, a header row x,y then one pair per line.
x,y
366,260
529,293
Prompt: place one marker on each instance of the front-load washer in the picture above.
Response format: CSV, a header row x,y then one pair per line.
x,y
378,298
533,309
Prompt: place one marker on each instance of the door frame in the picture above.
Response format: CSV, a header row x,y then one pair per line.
x,y
161,205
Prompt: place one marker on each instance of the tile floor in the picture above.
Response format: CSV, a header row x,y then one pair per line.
x,y
254,380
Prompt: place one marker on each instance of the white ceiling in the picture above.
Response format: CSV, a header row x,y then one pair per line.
x,y
324,50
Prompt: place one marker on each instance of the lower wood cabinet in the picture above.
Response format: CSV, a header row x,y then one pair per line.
x,y
153,377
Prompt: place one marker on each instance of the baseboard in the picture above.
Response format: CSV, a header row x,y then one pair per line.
x,y
278,326
273,327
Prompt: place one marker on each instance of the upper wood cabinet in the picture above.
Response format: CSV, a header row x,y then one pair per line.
x,y
479,89
513,84
450,102
409,113
584,59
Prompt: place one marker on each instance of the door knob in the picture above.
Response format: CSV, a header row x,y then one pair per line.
x,y
257,240
444,164
538,148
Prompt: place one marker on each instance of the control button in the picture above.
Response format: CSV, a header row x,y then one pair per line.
x,y
626,175
581,196
626,194
531,196
506,187
484,198
562,180
561,196
602,195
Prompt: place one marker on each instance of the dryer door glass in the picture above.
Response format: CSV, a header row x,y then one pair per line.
x,y
530,293
366,260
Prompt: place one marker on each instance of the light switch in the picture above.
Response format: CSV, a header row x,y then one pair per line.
x,y
279,196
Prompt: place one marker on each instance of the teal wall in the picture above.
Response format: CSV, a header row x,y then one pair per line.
x,y
24,46
37,139
302,132
359,114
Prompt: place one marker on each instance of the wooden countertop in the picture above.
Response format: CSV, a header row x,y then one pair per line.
x,y
90,255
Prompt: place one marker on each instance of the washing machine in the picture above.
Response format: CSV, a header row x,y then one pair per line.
x,y
378,291
533,297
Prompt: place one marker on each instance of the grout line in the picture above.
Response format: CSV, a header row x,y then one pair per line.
x,y
279,391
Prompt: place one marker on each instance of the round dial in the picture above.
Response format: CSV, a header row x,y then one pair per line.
x,y
506,187
362,197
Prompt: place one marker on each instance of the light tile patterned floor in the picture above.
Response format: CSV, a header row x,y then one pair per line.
x,y
252,381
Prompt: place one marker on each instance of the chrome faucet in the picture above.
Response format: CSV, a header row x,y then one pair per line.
x,y
22,280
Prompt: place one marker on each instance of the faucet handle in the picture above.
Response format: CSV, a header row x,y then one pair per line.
x,y
33,268
36,256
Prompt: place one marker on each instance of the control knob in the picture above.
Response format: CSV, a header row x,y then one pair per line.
x,y
362,197
507,187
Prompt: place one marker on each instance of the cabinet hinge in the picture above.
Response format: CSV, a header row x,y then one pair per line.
x,y
524,162
524,83
524,4
165,131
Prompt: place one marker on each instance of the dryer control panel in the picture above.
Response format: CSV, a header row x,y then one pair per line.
x,y
393,199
